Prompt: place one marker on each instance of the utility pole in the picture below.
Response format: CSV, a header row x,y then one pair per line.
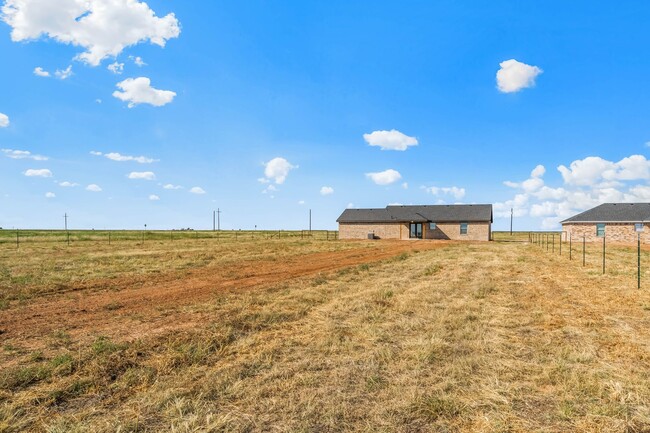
x,y
65,218
218,219
511,215
214,214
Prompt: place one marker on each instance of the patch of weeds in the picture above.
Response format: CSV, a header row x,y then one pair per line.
x,y
319,280
432,270
36,356
364,267
433,407
383,297
484,290
75,389
113,306
103,345
375,382
402,257
22,377
62,336
63,364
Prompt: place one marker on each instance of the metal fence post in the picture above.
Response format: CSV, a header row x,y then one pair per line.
x,y
603,254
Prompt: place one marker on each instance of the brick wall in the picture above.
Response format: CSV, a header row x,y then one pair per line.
x,y
381,230
475,231
614,232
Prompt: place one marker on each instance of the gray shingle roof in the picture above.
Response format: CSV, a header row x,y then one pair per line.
x,y
613,212
423,213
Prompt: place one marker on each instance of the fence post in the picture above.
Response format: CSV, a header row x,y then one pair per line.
x,y
17,239
553,237
583,250
560,243
638,260
603,254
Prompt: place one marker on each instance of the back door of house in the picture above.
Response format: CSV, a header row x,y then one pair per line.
x,y
415,230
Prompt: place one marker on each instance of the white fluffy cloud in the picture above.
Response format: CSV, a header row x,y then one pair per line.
x,y
40,172
139,91
171,186
104,28
454,191
66,184
4,120
115,156
116,68
138,61
50,195
40,72
515,76
587,183
143,175
22,154
63,74
326,190
154,197
93,188
277,170
385,177
390,140
197,190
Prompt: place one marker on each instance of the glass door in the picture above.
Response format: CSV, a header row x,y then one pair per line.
x,y
415,231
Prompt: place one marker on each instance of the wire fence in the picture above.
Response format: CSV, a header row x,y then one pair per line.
x,y
599,256
16,238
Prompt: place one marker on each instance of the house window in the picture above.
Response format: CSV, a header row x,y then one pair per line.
x,y
432,226
463,228
600,230
638,227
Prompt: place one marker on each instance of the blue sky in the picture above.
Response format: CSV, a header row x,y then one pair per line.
x,y
269,109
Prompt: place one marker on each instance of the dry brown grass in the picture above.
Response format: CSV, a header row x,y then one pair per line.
x,y
469,337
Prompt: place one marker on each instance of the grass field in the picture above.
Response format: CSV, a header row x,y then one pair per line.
x,y
310,335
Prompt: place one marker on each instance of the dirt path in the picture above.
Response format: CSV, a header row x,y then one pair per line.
x,y
129,308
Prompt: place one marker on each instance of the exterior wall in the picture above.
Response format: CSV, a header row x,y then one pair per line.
x,y
381,230
475,231
614,232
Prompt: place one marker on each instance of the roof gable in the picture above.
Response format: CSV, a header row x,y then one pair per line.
x,y
613,212
421,213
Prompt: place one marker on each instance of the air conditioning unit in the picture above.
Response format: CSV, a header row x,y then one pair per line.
x,y
371,236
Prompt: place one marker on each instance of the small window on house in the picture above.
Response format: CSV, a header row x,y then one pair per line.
x,y
638,227
432,226
600,230
463,228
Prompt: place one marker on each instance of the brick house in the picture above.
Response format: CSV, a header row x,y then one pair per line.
x,y
618,222
471,222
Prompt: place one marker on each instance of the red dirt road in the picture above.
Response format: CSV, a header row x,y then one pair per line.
x,y
125,309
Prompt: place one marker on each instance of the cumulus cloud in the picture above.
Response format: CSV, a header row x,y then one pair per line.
x,y
277,170
385,177
116,68
143,175
171,186
138,61
40,72
103,28
22,154
93,188
115,156
454,191
40,172
587,183
63,74
515,76
301,202
197,190
390,140
139,91
4,120
154,197
50,195
326,190
66,184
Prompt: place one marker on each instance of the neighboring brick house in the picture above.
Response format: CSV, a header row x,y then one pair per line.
x,y
617,222
472,222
